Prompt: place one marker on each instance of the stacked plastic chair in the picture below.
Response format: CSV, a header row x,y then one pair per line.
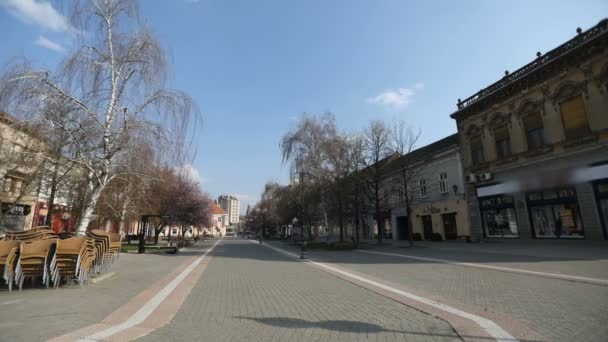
x,y
70,260
35,234
9,251
107,249
40,253
34,261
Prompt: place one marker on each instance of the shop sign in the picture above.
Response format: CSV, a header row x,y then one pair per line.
x,y
15,209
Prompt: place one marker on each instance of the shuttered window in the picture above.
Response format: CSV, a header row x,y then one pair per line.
x,y
535,132
503,142
574,117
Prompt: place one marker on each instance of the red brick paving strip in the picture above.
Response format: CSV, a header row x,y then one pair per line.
x,y
161,315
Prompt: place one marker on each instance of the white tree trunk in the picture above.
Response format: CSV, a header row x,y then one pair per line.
x,y
85,218
325,219
121,224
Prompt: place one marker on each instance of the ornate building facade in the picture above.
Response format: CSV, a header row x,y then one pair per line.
x,y
535,145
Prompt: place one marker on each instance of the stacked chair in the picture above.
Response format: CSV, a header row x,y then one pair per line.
x,y
107,248
35,234
8,254
72,259
40,253
34,261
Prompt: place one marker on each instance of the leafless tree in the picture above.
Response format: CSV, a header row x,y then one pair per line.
x,y
338,166
356,155
115,81
377,154
131,193
404,140
304,148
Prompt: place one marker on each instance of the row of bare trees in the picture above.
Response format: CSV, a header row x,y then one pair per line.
x,y
109,124
338,177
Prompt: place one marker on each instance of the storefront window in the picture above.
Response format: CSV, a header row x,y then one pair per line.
x,y
498,214
602,197
555,214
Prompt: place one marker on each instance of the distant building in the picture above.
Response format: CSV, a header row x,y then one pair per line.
x,y
18,179
535,145
231,206
219,221
435,189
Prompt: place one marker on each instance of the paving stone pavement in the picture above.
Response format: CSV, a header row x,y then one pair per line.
x,y
556,309
36,314
580,258
252,293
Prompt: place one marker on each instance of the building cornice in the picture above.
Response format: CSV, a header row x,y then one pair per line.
x,y
542,68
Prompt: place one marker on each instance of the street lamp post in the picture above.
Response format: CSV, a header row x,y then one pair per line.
x,y
303,245
302,173
250,220
261,229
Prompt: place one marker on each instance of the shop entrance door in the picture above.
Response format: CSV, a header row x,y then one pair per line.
x,y
449,226
404,233
427,226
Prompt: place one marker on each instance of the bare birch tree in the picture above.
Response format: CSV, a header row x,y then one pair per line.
x,y
115,80
304,148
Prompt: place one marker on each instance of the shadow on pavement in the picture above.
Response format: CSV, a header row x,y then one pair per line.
x,y
348,326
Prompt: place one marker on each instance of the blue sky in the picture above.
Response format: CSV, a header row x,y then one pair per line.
x,y
255,66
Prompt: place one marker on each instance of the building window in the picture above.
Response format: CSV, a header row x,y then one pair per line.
x,y
575,118
535,132
503,142
12,185
400,194
477,155
422,184
555,213
443,182
498,216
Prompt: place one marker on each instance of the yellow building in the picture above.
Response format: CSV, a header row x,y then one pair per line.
x,y
435,192
535,145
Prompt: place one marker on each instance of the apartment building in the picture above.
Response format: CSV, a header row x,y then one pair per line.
x,y
231,206
535,145
18,174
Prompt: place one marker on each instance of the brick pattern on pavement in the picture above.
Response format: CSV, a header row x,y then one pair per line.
x,y
249,292
557,309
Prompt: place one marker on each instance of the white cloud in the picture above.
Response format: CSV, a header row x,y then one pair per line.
x,y
49,44
188,170
242,196
397,98
41,13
